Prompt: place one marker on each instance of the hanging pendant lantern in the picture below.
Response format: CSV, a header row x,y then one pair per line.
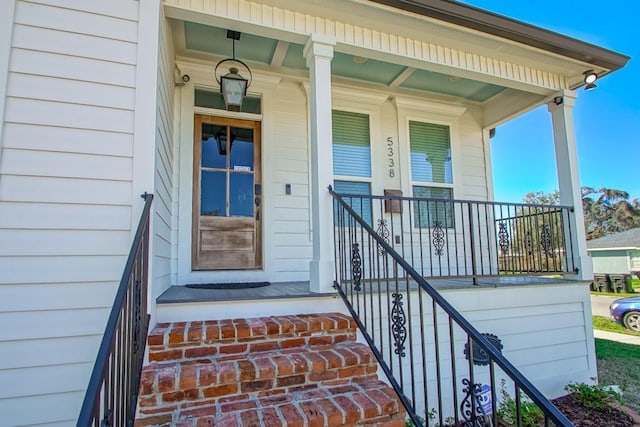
x,y
233,85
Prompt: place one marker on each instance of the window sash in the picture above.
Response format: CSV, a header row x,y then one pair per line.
x,y
351,144
437,210
430,153
362,206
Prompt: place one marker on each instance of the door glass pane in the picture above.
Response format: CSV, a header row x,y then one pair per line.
x,y
241,194
213,193
214,146
241,149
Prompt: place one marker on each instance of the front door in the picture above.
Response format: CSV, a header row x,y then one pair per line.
x,y
226,194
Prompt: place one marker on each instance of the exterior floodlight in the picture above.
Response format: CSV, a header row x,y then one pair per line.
x,y
590,78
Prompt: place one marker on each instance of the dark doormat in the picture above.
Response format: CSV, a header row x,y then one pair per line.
x,y
242,285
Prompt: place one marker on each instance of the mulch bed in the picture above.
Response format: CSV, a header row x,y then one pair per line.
x,y
587,417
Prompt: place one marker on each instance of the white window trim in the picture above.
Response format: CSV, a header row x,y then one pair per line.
x,y
409,109
362,102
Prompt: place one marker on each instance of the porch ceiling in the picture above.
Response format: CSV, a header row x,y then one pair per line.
x,y
199,40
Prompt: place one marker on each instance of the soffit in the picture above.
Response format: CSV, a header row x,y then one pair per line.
x,y
207,42
403,18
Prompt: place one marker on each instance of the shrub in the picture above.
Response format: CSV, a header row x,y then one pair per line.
x,y
529,412
594,396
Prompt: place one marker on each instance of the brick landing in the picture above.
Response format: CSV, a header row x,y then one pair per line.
x,y
304,370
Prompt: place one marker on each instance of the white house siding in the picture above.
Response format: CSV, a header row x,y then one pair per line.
x,y
65,198
471,155
164,164
290,216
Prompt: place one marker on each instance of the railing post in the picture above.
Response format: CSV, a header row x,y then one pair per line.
x,y
474,273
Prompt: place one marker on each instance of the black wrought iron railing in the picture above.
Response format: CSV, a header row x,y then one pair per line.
x,y
112,393
461,238
442,368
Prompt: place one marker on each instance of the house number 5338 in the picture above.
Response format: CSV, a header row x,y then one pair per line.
x,y
391,164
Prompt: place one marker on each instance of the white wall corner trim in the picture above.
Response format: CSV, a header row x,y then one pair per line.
x,y
145,103
404,103
7,10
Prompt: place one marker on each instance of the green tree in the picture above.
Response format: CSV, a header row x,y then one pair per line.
x,y
606,210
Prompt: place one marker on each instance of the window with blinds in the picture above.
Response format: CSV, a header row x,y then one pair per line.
x,y
430,153
352,158
351,144
362,206
431,163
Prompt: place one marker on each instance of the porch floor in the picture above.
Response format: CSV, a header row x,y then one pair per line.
x,y
285,290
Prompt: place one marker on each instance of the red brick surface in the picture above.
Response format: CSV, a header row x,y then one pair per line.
x,y
304,370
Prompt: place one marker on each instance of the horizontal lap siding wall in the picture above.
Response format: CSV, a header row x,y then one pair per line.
x,y
164,208
292,245
65,198
472,158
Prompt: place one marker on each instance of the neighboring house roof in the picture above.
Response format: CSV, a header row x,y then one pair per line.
x,y
629,239
511,29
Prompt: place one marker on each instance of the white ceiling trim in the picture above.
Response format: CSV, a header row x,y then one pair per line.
x,y
293,26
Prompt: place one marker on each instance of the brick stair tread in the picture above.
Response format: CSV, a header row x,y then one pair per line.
x,y
165,383
370,403
168,341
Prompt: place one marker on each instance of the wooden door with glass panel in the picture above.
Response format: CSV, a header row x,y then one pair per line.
x,y
226,194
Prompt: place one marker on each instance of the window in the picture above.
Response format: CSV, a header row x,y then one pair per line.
x,y
352,159
431,164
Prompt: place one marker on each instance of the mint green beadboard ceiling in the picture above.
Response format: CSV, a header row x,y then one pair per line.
x,y
212,40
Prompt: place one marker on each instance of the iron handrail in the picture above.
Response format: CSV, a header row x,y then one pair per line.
x,y
441,200
94,411
477,338
466,238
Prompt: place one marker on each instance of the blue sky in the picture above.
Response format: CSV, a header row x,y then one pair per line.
x,y
607,119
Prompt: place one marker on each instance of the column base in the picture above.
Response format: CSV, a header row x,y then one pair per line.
x,y
585,269
321,276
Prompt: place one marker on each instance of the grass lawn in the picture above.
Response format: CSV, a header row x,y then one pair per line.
x,y
606,324
619,364
617,295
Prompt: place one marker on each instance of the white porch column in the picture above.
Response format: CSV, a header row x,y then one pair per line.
x,y
318,52
561,109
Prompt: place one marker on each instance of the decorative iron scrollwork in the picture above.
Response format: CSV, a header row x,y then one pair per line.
x,y
356,267
480,356
503,237
398,327
528,242
471,404
137,315
545,239
438,238
383,232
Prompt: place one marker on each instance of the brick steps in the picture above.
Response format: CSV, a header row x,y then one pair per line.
x,y
174,341
302,370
